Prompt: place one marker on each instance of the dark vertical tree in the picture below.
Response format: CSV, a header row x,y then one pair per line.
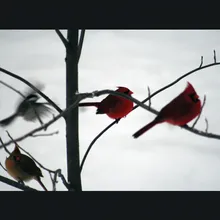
x,y
72,138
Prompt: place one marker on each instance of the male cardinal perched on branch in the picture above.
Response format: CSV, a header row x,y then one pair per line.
x,y
23,168
114,106
29,109
181,110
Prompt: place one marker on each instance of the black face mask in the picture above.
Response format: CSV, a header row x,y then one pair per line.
x,y
127,92
193,97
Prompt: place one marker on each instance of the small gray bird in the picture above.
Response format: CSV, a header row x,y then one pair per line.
x,y
29,109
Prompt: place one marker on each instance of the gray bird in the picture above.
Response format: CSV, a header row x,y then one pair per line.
x,y
29,109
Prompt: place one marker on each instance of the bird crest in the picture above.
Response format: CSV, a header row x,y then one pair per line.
x,y
16,150
124,90
189,88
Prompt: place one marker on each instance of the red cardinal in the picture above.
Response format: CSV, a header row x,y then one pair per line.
x,y
23,168
181,110
115,107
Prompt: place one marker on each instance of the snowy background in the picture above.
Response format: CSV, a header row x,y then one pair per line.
x,y
164,158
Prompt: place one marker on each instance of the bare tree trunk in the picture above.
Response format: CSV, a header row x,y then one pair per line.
x,y
72,138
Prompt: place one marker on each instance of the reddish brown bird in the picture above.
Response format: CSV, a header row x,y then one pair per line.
x,y
181,110
23,168
115,107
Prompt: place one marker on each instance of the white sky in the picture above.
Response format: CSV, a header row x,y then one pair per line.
x,y
164,158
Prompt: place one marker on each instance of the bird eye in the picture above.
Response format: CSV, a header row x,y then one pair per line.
x,y
194,97
32,97
16,158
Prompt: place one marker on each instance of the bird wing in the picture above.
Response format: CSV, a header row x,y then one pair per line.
x,y
37,110
107,104
28,165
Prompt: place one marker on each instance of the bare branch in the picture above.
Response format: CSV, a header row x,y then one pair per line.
x,y
92,143
33,87
65,183
10,87
49,134
62,38
207,125
214,57
54,180
5,147
201,62
3,167
82,35
16,184
148,88
204,100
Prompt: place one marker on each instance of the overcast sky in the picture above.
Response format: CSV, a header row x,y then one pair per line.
x,y
164,158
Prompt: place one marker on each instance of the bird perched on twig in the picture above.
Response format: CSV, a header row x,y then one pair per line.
x,y
23,168
181,110
114,106
29,109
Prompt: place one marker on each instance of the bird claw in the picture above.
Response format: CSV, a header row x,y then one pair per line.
x,y
117,120
21,182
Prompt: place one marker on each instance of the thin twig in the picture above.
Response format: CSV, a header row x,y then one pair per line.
x,y
3,167
65,183
82,35
5,147
10,87
49,134
197,119
148,88
55,179
62,38
214,57
207,125
201,62
33,87
91,144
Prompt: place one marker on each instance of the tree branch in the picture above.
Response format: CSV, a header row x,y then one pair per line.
x,y
10,87
82,35
16,184
62,38
48,134
3,167
148,88
207,125
92,143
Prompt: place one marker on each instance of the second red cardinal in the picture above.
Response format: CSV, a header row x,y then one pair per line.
x,y
181,110
115,107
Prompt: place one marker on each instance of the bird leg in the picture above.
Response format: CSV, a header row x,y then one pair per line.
x,y
117,120
21,182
